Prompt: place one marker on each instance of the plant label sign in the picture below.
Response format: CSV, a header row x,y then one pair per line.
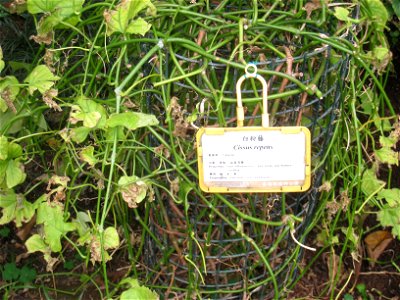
x,y
254,159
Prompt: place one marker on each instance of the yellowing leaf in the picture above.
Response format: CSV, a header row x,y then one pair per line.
x,y
387,155
9,90
2,64
87,155
41,79
392,196
15,208
381,52
131,120
111,238
370,183
387,141
390,216
35,243
133,190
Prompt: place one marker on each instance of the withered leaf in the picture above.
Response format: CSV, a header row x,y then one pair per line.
x,y
376,242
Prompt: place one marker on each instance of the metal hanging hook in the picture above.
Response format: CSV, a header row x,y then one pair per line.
x,y
251,72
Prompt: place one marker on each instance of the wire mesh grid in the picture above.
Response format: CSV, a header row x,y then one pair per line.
x,y
204,252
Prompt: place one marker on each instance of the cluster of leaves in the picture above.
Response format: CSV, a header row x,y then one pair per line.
x,y
386,199
85,138
11,273
85,70
360,185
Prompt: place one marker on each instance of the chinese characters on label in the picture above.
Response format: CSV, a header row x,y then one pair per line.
x,y
254,159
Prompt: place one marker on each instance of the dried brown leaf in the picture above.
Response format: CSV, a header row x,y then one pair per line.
x,y
24,231
376,242
48,99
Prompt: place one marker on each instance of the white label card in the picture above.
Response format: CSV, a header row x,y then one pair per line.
x,y
254,159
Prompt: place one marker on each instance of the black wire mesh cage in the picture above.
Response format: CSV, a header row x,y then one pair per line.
x,y
238,245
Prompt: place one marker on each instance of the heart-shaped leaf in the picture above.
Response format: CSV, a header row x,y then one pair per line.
x,y
15,174
121,19
52,217
111,238
15,208
41,79
133,190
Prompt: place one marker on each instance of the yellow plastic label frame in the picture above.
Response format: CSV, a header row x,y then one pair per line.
x,y
255,186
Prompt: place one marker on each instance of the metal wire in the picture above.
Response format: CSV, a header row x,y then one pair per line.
x,y
233,268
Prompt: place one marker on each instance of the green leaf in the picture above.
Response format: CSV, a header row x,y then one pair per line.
x,y
80,134
120,19
63,8
5,232
131,120
27,274
396,7
52,217
388,156
9,90
387,141
348,297
92,114
10,272
137,292
41,79
369,102
15,208
14,150
342,14
87,155
138,26
3,170
377,13
141,292
14,174
8,201
42,6
111,238
381,53
370,183
81,221
35,243
390,216
3,148
392,196
55,14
